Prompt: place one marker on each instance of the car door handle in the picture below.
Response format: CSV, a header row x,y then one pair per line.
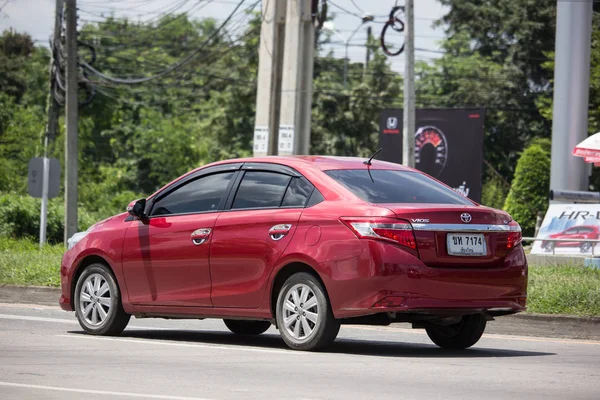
x,y
199,236
277,232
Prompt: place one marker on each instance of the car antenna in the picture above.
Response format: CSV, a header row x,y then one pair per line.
x,y
368,164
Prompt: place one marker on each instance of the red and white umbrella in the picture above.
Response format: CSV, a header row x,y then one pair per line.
x,y
589,149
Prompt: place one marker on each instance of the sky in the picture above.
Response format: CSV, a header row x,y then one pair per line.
x,y
36,18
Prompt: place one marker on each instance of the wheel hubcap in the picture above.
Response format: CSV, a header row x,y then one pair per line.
x,y
300,312
95,300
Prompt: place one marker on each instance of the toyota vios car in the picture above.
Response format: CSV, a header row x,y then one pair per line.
x,y
306,244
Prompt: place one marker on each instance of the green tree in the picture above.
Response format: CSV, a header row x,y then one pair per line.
x,y
345,120
529,192
23,75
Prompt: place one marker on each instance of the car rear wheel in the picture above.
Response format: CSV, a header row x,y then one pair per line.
x,y
549,247
458,336
98,304
304,316
247,327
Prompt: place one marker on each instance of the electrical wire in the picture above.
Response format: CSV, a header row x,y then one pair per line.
x,y
170,69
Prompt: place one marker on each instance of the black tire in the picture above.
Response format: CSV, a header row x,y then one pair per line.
x,y
549,247
458,336
324,330
116,318
247,327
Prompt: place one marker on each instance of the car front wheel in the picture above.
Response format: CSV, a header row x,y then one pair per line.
x,y
98,304
458,336
304,316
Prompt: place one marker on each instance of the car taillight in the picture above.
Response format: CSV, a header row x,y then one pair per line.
x,y
400,232
514,236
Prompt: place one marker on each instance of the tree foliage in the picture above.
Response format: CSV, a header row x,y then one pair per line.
x,y
529,192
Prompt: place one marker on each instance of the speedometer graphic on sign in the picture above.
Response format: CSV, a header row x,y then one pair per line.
x,y
431,150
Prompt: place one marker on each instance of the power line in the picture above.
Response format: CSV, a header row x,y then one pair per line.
x,y
170,69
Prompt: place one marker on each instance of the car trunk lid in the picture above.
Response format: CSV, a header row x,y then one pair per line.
x,y
456,236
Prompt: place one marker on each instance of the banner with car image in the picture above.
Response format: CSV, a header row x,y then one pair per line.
x,y
570,225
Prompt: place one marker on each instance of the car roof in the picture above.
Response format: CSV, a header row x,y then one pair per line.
x,y
300,163
324,163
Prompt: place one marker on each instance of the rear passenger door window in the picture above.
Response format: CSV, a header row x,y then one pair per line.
x,y
297,193
260,189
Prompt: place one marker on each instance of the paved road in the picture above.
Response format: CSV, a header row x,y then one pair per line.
x,y
44,355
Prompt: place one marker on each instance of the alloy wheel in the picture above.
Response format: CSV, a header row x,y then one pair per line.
x,y
95,300
300,312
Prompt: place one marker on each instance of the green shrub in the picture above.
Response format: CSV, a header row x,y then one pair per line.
x,y
494,193
529,191
20,217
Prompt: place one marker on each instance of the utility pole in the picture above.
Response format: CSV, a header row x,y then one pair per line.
x,y
52,124
369,36
71,111
571,94
408,145
297,79
270,66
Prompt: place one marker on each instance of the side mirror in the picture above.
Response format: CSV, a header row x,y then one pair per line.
x,y
137,209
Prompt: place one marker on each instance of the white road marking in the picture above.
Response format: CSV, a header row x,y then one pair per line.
x,y
102,392
30,306
183,344
70,321
38,319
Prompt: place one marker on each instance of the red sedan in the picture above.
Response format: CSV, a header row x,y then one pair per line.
x,y
305,243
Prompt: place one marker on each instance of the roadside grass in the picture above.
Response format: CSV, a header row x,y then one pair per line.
x,y
23,263
570,290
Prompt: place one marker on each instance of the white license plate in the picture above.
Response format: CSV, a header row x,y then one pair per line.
x,y
465,244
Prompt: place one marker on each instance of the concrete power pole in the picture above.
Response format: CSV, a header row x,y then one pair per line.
x,y
297,80
270,66
571,93
52,125
408,145
72,103
369,37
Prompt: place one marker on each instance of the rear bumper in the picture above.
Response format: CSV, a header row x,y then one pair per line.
x,y
386,279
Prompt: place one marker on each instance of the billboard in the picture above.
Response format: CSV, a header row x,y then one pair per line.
x,y
448,145
571,223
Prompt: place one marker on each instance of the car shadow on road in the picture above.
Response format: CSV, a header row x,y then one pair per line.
x,y
376,348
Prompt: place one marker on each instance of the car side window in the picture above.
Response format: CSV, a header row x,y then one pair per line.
x,y
200,195
261,190
297,193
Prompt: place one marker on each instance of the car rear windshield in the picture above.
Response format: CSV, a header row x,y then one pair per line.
x,y
390,186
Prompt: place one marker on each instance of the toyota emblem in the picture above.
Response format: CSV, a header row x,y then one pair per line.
x,y
465,217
